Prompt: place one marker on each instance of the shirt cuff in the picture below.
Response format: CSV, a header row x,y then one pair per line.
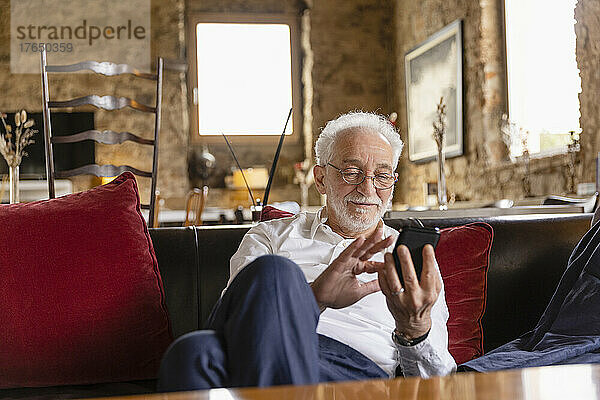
x,y
419,360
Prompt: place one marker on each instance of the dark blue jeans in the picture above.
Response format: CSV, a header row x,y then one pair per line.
x,y
262,332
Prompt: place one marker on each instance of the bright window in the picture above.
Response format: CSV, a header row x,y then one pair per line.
x,y
244,75
543,78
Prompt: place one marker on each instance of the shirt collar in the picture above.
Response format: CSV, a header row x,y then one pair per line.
x,y
319,220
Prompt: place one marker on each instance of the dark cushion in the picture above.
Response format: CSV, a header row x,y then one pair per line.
x,y
81,297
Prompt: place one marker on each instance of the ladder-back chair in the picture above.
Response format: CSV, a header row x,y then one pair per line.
x,y
109,103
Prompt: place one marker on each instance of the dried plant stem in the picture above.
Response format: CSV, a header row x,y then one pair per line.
x,y
12,144
439,135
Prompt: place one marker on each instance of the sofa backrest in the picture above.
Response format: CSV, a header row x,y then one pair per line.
x,y
529,255
177,255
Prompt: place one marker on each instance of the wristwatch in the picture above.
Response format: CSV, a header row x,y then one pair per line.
x,y
399,339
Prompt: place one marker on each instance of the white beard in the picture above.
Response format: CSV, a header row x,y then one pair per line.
x,y
360,220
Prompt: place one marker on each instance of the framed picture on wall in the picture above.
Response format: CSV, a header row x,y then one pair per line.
x,y
434,70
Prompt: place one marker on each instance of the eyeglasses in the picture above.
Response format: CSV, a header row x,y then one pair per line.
x,y
355,176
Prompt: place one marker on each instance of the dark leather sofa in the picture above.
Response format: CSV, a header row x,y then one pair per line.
x,y
528,257
529,254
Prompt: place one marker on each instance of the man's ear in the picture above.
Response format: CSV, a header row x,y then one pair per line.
x,y
319,175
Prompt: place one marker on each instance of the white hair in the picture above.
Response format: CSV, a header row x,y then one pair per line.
x,y
356,119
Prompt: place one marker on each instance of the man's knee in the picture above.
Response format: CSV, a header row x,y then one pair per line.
x,y
193,361
272,267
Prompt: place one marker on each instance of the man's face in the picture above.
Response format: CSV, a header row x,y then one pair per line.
x,y
356,208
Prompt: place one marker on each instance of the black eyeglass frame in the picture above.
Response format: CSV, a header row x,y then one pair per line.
x,y
343,174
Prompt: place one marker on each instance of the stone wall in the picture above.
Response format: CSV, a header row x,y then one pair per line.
x,y
483,172
23,91
358,50
587,29
351,42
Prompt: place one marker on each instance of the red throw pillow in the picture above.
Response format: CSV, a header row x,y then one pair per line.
x,y
81,298
463,254
269,213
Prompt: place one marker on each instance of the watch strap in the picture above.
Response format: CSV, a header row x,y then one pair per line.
x,y
399,339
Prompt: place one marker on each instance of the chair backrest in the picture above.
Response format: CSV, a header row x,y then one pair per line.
x,y
196,200
107,136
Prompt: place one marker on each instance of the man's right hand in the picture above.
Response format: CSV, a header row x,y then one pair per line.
x,y
337,286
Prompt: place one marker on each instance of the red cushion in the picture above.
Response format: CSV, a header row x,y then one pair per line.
x,y
81,298
463,255
269,213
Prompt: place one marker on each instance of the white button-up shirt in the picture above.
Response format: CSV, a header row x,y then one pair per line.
x,y
366,325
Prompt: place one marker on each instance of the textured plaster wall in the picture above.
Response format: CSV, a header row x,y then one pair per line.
x,y
358,51
23,91
587,30
351,42
483,172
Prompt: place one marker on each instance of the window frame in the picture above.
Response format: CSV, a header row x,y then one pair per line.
x,y
289,19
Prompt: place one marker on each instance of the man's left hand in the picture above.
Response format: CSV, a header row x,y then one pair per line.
x,y
411,305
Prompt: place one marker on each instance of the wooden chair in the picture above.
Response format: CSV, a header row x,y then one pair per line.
x,y
107,136
196,200
158,204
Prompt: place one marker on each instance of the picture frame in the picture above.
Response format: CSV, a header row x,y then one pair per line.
x,y
434,69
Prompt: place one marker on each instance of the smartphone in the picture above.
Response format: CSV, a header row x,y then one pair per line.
x,y
415,238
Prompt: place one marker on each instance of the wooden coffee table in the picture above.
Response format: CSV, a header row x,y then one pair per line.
x,y
578,382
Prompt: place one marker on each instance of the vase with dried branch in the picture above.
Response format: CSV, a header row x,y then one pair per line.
x,y
12,147
526,163
439,135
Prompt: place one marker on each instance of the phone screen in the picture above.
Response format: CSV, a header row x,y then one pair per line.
x,y
415,238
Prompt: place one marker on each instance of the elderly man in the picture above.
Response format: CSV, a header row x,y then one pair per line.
x,y
353,319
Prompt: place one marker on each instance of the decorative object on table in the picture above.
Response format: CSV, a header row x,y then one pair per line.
x,y
254,177
393,117
439,135
304,177
572,152
201,166
434,69
12,147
